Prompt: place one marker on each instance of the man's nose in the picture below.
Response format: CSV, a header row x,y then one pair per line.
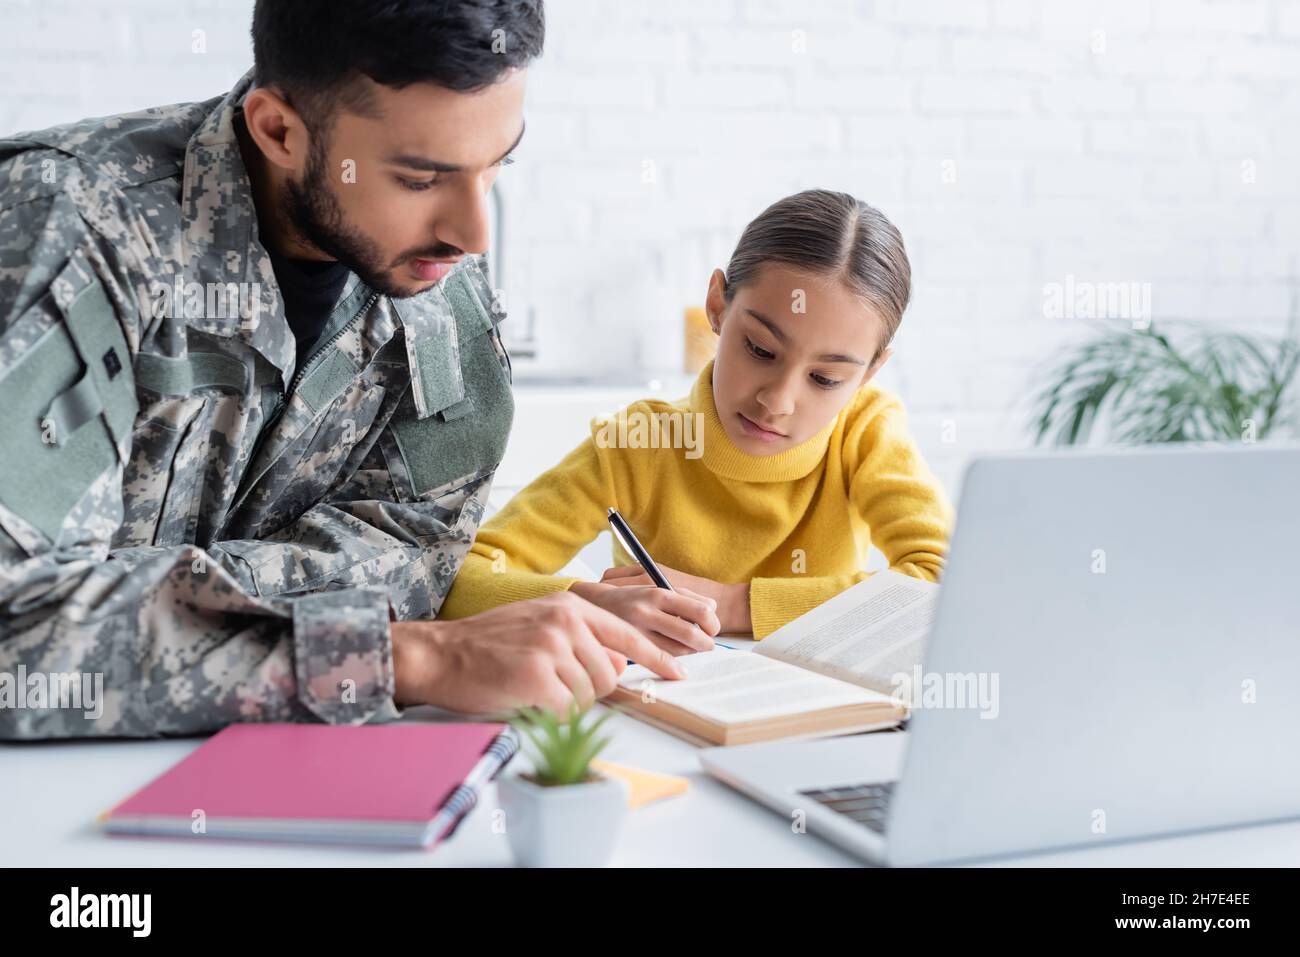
x,y
465,222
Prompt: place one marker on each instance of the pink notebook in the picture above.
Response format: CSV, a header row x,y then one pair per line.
x,y
393,784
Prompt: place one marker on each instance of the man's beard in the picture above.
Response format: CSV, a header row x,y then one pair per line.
x,y
314,213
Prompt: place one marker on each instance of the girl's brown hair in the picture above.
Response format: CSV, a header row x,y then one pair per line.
x,y
835,234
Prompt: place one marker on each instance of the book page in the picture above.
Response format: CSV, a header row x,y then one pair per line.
x,y
866,634
734,686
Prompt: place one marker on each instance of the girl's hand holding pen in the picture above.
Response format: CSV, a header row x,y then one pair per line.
x,y
667,618
730,602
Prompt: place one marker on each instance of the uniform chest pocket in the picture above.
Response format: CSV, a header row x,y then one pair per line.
x,y
69,402
468,436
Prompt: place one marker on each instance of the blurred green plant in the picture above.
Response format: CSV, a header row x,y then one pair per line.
x,y
1145,388
563,747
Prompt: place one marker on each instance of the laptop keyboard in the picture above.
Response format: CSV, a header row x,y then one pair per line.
x,y
864,803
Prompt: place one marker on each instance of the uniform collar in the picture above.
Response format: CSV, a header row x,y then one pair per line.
x,y
219,241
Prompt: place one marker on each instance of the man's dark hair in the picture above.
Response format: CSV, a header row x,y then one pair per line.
x,y
314,51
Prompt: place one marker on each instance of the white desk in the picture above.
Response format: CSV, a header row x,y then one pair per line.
x,y
50,795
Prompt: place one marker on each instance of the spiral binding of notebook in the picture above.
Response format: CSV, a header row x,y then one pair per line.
x,y
464,796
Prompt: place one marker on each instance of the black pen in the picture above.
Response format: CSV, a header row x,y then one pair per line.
x,y
632,545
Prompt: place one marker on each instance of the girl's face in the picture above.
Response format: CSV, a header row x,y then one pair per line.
x,y
794,347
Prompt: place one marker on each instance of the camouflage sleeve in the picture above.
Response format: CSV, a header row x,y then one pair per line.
x,y
368,534
141,641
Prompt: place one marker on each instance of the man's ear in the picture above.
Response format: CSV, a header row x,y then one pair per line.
x,y
875,366
715,301
277,129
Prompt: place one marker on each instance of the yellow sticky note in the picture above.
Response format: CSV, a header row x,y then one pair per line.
x,y
643,787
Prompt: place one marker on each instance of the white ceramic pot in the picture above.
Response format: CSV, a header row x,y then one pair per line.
x,y
574,825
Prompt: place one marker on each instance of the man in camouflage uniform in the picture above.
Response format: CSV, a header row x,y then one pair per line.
x,y
220,528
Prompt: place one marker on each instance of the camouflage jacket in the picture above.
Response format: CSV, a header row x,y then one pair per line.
x,y
209,532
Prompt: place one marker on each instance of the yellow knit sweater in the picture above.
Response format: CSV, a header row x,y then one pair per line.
x,y
796,525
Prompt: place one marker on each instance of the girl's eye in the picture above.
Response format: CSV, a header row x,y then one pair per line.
x,y
507,161
824,382
758,351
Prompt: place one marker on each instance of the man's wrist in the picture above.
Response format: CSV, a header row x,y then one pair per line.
x,y
414,659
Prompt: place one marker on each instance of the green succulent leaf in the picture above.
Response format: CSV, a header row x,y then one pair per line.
x,y
562,748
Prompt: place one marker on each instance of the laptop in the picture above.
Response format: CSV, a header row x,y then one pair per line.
x,y
1137,613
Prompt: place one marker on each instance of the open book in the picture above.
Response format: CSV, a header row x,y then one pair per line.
x,y
831,671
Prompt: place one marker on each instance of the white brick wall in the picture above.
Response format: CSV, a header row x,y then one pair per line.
x,y
1124,140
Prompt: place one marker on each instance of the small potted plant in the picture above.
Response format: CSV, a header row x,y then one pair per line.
x,y
562,813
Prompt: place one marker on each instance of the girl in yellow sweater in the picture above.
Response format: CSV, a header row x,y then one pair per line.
x,y
759,494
